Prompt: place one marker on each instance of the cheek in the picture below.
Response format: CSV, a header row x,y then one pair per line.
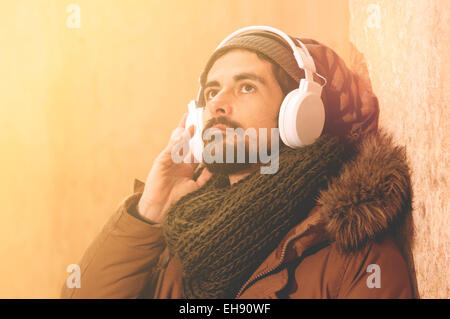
x,y
206,116
268,112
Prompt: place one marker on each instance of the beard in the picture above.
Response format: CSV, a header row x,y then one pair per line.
x,y
227,168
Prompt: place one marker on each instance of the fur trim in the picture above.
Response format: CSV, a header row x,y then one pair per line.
x,y
369,195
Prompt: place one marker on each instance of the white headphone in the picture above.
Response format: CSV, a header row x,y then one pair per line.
x,y
302,114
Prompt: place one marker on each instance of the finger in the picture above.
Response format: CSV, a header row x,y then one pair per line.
x,y
179,144
182,122
180,137
204,177
191,130
177,134
190,159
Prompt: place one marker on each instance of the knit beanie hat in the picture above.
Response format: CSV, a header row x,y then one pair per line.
x,y
272,46
351,108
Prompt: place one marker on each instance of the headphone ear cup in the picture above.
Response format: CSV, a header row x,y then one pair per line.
x,y
310,118
195,117
302,116
283,120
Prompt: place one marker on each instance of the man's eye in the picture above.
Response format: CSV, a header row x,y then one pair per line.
x,y
247,88
210,94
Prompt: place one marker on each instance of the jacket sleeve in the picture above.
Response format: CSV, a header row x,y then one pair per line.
x,y
378,271
120,260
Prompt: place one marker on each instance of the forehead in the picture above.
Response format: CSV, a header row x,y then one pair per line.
x,y
239,61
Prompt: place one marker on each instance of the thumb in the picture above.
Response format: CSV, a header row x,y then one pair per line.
x,y
204,177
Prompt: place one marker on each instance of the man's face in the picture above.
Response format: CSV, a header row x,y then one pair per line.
x,y
241,92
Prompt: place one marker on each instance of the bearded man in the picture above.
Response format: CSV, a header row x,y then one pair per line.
x,y
321,226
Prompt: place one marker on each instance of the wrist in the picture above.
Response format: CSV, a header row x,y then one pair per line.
x,y
150,212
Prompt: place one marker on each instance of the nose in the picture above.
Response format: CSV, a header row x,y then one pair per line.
x,y
221,104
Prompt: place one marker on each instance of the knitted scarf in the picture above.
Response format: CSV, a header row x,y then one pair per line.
x,y
222,233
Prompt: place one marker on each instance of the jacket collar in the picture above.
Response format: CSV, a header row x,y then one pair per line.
x,y
138,186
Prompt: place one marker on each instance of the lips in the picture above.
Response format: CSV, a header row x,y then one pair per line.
x,y
220,127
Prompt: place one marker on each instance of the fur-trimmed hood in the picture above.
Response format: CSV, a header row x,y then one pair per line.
x,y
370,196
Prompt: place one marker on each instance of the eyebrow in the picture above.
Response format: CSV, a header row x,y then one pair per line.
x,y
239,77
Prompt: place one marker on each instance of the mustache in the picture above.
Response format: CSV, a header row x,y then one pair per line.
x,y
220,120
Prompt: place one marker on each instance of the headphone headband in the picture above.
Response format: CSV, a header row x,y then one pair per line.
x,y
301,54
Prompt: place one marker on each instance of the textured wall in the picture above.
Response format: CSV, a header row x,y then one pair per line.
x,y
85,110
406,47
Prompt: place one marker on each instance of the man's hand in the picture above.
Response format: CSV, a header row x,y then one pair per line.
x,y
168,181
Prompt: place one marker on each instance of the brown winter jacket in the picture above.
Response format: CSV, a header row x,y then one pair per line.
x,y
343,249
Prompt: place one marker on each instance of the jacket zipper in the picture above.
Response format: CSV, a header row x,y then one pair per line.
x,y
306,253
266,272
